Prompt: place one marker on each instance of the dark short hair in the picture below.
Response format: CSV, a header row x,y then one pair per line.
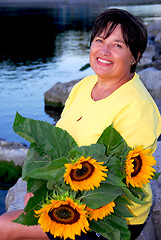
x,y
133,29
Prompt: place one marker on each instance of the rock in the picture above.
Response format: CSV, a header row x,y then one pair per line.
x,y
148,232
148,55
151,78
58,94
158,37
15,196
154,27
10,151
156,211
156,188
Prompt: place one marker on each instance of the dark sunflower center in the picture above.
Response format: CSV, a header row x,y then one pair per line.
x,y
64,214
137,166
83,173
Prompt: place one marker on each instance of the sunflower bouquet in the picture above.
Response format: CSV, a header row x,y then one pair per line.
x,y
80,189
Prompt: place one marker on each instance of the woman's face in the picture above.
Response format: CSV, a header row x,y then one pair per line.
x,y
110,58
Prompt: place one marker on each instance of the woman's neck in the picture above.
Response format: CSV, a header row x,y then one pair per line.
x,y
103,88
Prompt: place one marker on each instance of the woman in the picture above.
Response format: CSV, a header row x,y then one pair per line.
x,y
114,95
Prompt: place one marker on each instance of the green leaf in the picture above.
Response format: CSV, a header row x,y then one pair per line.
x,y
54,171
28,217
114,180
53,141
34,185
156,176
131,197
87,65
99,197
137,192
95,151
118,223
114,142
76,152
34,160
105,229
121,208
112,226
86,151
94,148
115,167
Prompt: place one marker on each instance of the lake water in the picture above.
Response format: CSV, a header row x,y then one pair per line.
x,y
42,45
3,194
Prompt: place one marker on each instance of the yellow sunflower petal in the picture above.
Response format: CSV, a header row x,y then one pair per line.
x,y
63,218
139,168
86,177
101,212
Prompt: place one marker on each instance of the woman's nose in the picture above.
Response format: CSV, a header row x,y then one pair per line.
x,y
105,50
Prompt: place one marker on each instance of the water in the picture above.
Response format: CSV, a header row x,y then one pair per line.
x,y
44,45
3,194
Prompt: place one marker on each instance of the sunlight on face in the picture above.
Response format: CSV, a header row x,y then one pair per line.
x,y
110,57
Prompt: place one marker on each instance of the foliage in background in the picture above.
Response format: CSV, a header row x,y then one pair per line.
x,y
9,173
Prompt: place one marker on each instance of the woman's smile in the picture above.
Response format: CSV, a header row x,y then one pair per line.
x,y
101,60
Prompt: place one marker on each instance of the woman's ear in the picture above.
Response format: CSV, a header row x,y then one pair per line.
x,y
139,56
133,61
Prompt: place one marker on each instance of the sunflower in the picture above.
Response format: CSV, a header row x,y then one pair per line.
x,y
63,218
101,212
85,174
138,166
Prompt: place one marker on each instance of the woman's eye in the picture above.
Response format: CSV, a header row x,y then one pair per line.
x,y
99,40
117,45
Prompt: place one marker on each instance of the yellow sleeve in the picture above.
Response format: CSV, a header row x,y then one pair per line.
x,y
72,96
139,123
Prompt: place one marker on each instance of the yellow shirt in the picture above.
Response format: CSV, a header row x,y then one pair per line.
x,y
131,110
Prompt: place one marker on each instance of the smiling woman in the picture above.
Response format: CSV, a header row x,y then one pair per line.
x,y
111,57
114,52
115,95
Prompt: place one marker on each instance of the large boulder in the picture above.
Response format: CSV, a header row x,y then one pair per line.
x,y
58,94
147,55
158,37
15,196
156,211
151,78
153,28
11,151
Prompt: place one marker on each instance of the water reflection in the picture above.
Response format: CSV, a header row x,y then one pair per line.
x,y
27,38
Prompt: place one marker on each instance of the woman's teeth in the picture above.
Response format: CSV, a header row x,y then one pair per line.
x,y
103,61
